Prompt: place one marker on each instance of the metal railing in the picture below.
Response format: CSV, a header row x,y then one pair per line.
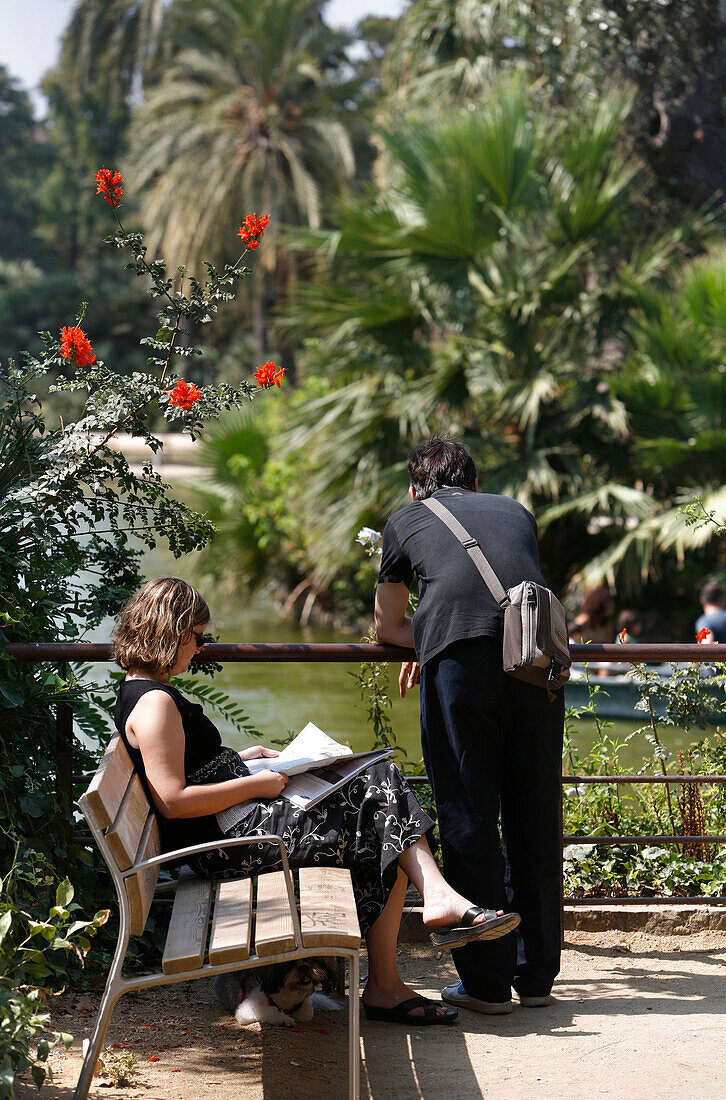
x,y
62,653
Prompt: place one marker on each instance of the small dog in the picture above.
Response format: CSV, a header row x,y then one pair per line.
x,y
283,993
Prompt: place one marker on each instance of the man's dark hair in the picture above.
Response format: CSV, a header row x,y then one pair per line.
x,y
628,619
439,462
712,593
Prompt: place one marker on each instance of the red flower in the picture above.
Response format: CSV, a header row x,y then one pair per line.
x,y
622,635
76,346
153,1058
704,635
184,394
252,229
109,185
269,375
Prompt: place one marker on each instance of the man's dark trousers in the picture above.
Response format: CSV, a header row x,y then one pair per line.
x,y
491,745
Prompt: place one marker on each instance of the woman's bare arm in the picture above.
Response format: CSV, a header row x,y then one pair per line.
x,y
156,723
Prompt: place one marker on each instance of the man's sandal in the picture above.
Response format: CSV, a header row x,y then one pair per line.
x,y
466,931
401,1013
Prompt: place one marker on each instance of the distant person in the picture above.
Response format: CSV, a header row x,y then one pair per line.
x,y
595,621
712,601
630,626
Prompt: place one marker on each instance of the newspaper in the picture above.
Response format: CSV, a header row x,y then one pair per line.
x,y
317,765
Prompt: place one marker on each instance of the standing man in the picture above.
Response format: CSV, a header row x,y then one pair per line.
x,y
492,745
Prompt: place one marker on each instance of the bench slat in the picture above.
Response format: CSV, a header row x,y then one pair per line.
x,y
328,916
125,834
187,935
274,932
142,885
231,926
107,787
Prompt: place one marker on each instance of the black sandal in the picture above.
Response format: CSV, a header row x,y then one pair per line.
x,y
466,931
401,1013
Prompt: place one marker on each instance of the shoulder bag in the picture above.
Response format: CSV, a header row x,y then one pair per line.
x,y
535,646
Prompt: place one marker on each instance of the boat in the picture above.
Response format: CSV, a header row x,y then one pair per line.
x,y
618,692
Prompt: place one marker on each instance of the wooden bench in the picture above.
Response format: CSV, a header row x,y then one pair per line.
x,y
245,931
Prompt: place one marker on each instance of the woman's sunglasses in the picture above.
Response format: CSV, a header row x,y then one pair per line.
x,y
199,639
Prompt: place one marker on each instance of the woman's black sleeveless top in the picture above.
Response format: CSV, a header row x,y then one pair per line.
x,y
202,744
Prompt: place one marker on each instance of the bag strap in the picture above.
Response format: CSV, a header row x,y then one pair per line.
x,y
473,549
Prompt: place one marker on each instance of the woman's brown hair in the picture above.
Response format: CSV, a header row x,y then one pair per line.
x,y
154,622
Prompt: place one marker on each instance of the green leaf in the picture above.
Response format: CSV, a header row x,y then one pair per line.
x,y
77,926
6,921
43,928
13,694
64,893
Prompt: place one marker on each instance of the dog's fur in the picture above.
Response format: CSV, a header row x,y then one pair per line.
x,y
247,994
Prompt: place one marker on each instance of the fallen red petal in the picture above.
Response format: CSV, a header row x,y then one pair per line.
x,y
153,1058
322,1030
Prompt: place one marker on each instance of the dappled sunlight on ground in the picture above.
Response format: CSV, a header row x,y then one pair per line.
x,y
634,1015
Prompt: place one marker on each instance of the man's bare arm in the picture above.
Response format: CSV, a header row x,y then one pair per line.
x,y
393,625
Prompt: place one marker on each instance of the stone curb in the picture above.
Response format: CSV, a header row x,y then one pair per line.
x,y
661,920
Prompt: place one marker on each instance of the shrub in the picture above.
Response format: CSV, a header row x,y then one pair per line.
x,y
32,962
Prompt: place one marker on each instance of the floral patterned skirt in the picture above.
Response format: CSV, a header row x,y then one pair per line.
x,y
364,826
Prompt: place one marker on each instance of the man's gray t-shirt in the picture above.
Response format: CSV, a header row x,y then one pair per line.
x,y
454,602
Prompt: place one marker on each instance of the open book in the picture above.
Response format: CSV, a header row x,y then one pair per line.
x,y
319,765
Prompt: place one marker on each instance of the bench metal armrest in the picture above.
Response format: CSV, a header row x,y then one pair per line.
x,y
209,846
231,842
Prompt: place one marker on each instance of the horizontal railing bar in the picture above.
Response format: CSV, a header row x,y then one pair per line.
x,y
340,652
416,907
719,838
602,779
645,899
231,652
607,779
677,778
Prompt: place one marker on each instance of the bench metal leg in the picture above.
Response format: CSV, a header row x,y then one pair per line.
x,y
111,994
353,1027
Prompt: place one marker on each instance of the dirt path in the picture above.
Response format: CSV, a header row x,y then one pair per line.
x,y
636,1016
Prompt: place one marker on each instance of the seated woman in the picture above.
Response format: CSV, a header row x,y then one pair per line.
x,y
203,791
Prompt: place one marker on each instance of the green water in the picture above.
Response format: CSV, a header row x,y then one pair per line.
x,y
279,698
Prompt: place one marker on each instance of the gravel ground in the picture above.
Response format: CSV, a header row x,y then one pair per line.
x,y
635,1015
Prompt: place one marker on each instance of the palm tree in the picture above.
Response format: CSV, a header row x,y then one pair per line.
x,y
112,44
673,386
484,292
249,114
454,50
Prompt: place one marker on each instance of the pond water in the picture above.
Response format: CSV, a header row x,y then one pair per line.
x,y
282,698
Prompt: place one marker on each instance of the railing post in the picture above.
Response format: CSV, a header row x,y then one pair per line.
x,y
64,758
